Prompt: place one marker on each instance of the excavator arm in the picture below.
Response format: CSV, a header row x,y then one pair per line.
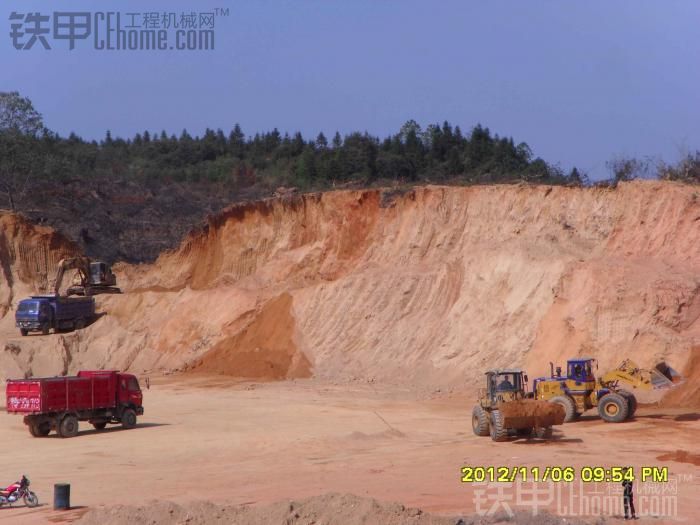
x,y
629,373
82,264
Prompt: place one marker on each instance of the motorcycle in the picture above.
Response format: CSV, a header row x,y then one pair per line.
x,y
19,490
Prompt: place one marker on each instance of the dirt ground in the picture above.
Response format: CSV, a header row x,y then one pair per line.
x,y
225,442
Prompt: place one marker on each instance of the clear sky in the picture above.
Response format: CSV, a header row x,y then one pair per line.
x,y
581,82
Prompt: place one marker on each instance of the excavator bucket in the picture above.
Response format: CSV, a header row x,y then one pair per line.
x,y
530,413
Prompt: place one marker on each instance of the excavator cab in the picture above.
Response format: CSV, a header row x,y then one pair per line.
x,y
101,274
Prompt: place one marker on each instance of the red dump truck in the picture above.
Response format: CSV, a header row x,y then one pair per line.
x,y
58,403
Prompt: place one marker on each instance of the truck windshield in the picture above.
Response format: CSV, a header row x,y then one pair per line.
x,y
28,307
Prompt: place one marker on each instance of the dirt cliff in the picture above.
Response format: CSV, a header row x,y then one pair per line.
x,y
425,289
28,258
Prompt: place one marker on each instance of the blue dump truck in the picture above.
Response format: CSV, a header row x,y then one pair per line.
x,y
40,313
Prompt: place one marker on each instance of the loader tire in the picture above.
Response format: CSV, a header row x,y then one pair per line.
x,y
631,400
498,431
128,418
68,427
480,421
613,408
543,432
569,407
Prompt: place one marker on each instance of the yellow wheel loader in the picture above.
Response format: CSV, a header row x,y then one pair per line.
x,y
505,410
579,390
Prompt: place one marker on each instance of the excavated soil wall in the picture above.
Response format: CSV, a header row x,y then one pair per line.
x,y
425,289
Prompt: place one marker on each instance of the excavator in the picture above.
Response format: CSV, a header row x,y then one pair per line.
x,y
93,277
579,390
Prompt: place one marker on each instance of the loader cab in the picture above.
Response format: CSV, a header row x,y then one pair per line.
x,y
581,370
504,385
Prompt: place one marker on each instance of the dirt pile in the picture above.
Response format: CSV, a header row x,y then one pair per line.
x,y
425,289
265,349
329,509
541,413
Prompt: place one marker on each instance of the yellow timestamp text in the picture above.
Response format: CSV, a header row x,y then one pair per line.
x,y
492,474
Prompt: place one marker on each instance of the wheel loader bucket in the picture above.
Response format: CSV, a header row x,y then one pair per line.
x,y
530,413
664,376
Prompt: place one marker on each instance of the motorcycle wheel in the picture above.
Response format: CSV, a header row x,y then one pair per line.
x,y
31,499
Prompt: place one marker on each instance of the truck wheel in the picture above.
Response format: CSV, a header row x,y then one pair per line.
x,y
33,430
68,427
100,426
613,408
128,418
45,329
569,407
80,324
480,421
544,432
498,431
23,332
631,401
42,429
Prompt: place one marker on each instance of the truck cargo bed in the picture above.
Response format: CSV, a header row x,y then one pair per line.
x,y
61,394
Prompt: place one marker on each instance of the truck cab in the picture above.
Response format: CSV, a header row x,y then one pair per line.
x,y
34,314
129,392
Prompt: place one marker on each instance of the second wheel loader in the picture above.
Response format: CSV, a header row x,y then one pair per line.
x,y
579,389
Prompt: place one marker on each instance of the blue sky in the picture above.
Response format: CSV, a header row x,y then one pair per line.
x,y
581,82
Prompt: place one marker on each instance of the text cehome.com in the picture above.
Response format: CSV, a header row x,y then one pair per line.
x,y
111,35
